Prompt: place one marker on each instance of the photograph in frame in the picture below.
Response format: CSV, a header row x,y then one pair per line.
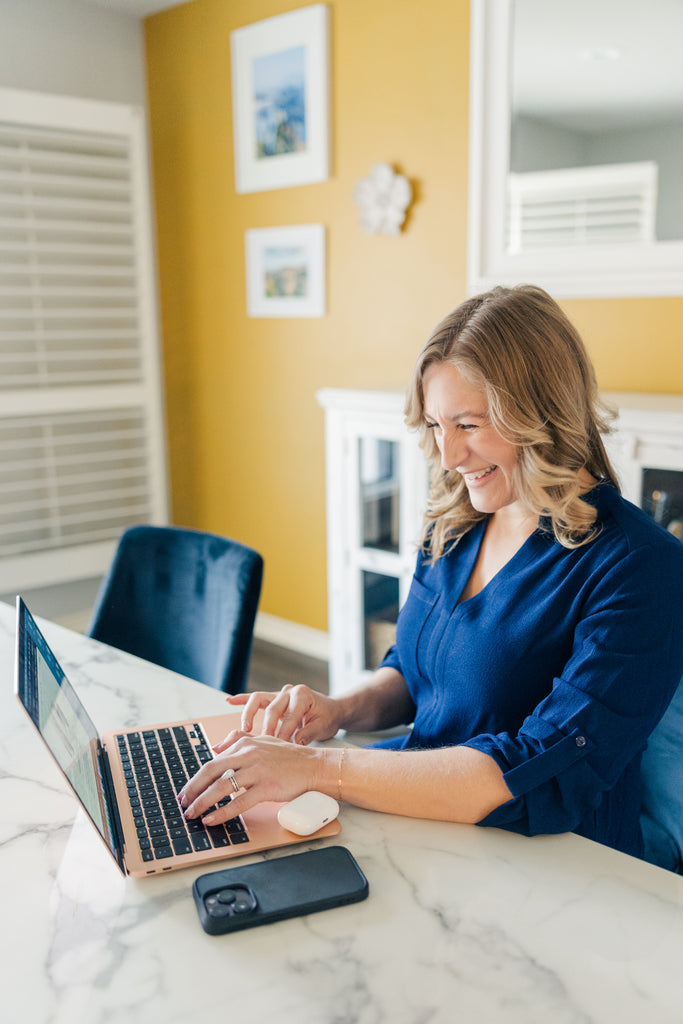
x,y
286,271
280,100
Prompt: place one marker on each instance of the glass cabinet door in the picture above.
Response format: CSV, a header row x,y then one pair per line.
x,y
380,604
380,488
384,527
662,498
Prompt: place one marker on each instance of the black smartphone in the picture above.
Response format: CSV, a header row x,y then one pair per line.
x,y
272,890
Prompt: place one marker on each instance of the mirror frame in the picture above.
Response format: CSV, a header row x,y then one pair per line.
x,y
606,271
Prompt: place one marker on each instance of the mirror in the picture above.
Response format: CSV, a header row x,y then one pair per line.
x,y
576,146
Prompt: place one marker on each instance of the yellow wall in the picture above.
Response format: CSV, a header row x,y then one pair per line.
x,y
245,431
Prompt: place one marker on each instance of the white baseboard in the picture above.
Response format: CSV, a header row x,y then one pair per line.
x,y
292,635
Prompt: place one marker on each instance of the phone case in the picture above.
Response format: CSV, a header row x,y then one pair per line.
x,y
272,890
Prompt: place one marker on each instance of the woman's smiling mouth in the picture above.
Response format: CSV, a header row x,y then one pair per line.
x,y
479,476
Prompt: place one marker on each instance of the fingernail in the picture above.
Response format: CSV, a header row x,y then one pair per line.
x,y
209,819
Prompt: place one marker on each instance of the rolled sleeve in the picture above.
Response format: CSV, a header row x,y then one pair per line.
x,y
391,660
549,775
585,737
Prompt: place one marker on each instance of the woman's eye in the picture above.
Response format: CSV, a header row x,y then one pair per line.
x,y
468,426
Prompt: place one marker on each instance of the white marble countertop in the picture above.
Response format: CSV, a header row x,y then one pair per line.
x,y
462,923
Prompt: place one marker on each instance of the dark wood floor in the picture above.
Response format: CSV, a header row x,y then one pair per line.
x,y
271,667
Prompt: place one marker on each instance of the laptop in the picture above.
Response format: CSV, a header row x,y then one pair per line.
x,y
127,780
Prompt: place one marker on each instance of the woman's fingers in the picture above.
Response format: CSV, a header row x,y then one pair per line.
x,y
240,802
275,711
253,703
300,710
264,768
283,712
228,741
295,713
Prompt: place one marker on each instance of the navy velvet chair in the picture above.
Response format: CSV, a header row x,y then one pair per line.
x,y
662,807
182,599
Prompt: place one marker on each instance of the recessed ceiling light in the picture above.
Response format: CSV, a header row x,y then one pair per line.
x,y
600,53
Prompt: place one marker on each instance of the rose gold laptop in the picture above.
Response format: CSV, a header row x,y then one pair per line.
x,y
127,780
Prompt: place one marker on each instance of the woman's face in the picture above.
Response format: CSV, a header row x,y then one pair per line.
x,y
458,414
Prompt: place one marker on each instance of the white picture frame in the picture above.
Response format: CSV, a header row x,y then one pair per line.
x,y
286,271
280,100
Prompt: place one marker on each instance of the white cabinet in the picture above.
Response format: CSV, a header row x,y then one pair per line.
x,y
376,492
647,451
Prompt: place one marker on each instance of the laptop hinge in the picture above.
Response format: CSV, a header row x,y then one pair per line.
x,y
112,805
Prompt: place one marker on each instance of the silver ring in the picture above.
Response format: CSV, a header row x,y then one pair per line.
x,y
230,774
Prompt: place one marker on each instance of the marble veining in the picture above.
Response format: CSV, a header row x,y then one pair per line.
x,y
461,924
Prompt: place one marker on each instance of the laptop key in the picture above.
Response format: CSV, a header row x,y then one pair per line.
x,y
181,846
194,825
200,841
239,837
235,825
164,851
218,836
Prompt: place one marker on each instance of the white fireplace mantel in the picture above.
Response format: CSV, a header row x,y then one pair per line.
x,y
648,434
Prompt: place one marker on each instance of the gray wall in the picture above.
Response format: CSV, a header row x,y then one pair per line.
x,y
72,49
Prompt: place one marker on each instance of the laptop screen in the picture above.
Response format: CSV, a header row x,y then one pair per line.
x,y
61,719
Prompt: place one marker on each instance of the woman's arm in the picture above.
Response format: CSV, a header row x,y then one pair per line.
x,y
449,784
303,715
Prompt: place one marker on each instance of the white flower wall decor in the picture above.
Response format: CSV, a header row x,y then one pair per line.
x,y
382,199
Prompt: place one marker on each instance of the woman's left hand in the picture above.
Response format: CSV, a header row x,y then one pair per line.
x,y
265,768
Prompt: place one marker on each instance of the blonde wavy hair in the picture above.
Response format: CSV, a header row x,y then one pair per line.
x,y
519,348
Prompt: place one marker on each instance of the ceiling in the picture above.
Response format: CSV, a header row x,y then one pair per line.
x,y
136,8
596,65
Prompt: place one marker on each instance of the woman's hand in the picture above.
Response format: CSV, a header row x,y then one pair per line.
x,y
264,768
296,713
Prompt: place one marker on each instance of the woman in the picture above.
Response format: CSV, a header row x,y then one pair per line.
x,y
541,640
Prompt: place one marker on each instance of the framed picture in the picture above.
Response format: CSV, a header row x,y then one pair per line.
x,y
286,271
280,100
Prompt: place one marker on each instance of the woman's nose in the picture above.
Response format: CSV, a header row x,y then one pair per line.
x,y
452,450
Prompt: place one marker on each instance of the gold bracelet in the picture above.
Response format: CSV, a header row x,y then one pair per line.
x,y
339,773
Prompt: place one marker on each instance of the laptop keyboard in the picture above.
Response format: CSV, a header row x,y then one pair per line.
x,y
156,765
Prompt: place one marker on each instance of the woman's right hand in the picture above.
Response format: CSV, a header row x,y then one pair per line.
x,y
296,713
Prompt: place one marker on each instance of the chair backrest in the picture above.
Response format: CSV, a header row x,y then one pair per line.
x,y
662,804
182,599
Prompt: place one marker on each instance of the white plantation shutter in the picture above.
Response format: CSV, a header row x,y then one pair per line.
x,y
81,437
582,206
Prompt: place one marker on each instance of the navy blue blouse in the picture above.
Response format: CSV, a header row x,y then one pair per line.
x,y
559,668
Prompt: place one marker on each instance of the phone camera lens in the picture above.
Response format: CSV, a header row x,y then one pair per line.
x,y
216,909
226,896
